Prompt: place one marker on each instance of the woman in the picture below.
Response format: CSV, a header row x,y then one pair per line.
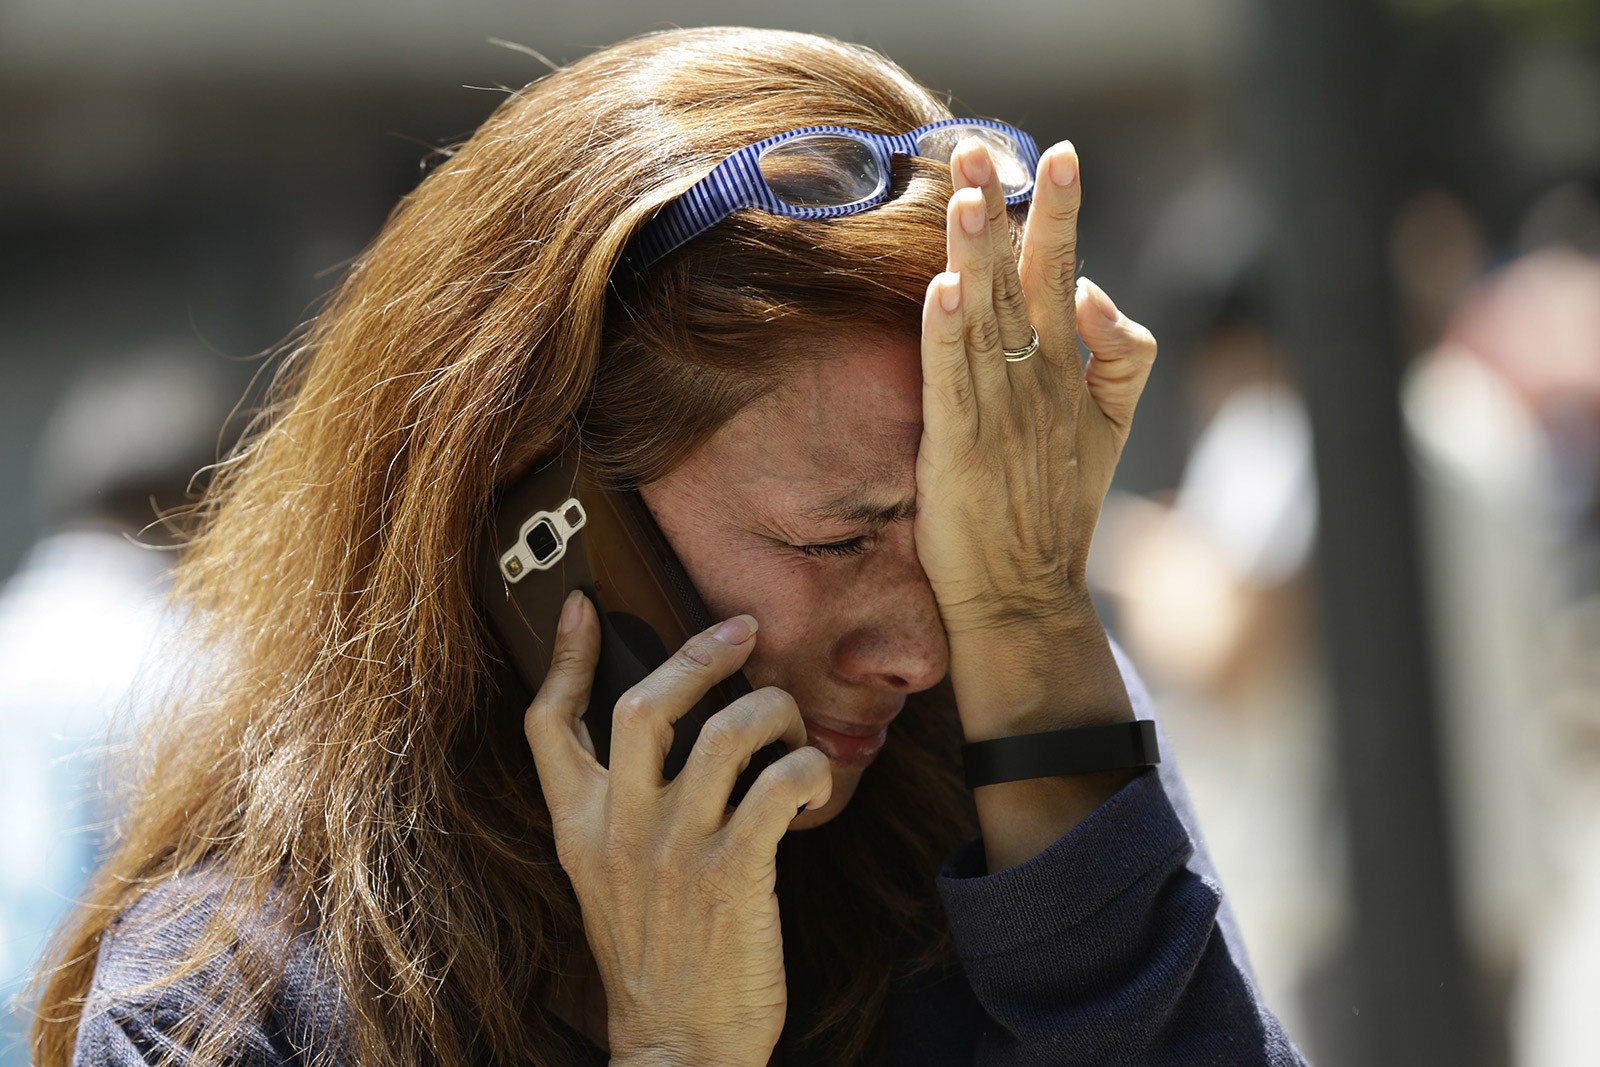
x,y
359,843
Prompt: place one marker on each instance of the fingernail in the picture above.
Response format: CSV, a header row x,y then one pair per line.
x,y
973,215
1064,167
1100,303
975,162
736,631
950,292
570,611
1107,308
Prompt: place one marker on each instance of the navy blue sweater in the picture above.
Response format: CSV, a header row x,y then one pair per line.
x,y
1111,947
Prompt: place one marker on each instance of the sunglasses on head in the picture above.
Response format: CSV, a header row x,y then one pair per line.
x,y
823,172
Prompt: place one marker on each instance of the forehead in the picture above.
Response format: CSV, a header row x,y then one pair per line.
x,y
849,417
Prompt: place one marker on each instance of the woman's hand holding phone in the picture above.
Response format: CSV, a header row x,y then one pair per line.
x,y
678,891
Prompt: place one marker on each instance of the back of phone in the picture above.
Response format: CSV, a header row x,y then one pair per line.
x,y
552,533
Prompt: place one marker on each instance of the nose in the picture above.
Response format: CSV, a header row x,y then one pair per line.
x,y
893,637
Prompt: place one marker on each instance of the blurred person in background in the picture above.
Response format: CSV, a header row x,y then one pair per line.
x,y
1209,587
359,842
1207,578
1503,419
78,619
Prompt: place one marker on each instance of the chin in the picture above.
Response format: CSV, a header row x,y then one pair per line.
x,y
845,780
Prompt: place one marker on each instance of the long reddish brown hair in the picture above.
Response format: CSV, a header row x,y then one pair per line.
x,y
343,757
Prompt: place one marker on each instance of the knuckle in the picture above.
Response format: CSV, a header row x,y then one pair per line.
x,y
1008,288
564,664
735,732
1058,286
633,709
568,834
1064,248
1144,341
785,778
816,762
722,736
1135,342
958,396
1054,277
794,776
780,701
983,334
535,721
545,717
952,336
1064,213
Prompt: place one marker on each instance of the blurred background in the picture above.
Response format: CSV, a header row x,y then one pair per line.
x,y
1355,540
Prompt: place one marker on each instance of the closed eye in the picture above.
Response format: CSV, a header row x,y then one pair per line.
x,y
853,546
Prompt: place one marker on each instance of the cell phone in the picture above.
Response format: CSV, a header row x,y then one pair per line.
x,y
552,532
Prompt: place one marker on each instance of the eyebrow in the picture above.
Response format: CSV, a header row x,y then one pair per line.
x,y
854,509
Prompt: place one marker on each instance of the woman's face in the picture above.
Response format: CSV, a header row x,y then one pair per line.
x,y
799,511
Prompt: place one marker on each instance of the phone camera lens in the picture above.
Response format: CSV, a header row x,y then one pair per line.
x,y
542,540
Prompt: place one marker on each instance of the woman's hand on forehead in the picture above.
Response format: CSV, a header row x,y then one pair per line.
x,y
1016,458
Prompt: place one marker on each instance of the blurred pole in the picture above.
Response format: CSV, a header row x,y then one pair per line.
x,y
1415,997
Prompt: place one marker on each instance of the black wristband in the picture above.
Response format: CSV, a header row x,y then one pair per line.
x,y
1077,750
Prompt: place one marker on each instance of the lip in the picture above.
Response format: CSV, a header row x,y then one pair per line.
x,y
848,744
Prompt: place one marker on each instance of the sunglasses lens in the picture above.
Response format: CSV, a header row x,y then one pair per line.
x,y
822,170
1009,164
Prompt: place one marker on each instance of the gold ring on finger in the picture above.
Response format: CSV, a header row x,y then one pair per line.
x,y
1017,355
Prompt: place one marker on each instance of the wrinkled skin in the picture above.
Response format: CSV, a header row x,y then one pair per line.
x,y
974,484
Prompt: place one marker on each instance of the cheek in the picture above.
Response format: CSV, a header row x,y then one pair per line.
x,y
791,600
